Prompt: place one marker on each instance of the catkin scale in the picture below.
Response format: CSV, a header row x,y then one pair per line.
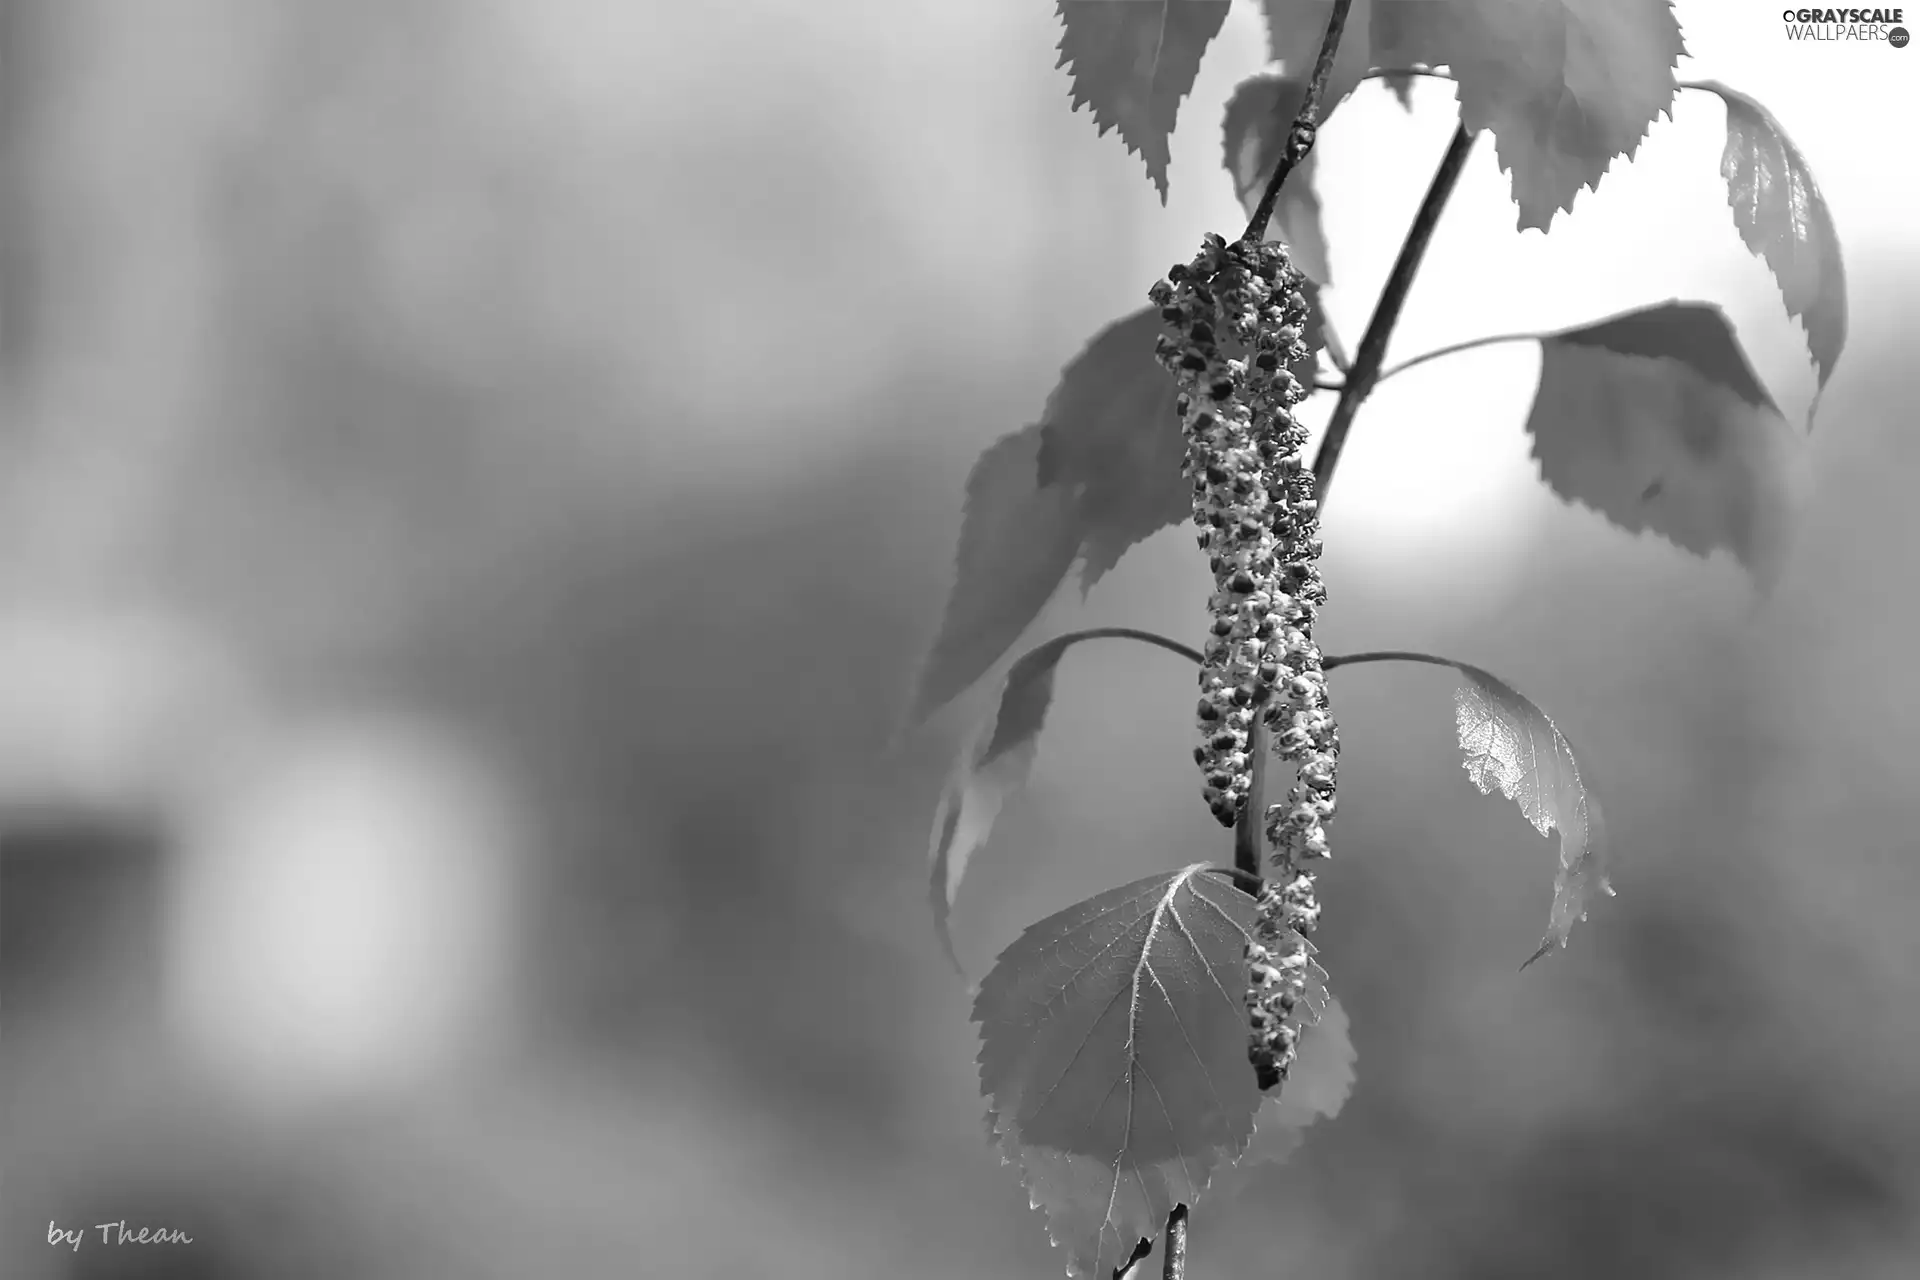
x,y
1257,520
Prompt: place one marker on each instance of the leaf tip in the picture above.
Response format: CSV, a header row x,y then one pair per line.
x,y
1546,945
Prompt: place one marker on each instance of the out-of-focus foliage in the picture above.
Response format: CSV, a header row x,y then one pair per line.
x,y
477,385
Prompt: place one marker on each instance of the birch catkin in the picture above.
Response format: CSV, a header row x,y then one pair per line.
x,y
1253,504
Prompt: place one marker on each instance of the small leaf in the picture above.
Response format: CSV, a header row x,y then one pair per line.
x,y
1783,218
1017,540
991,770
1510,743
1110,437
1565,85
1656,420
1113,1053
1133,61
1259,117
1317,1086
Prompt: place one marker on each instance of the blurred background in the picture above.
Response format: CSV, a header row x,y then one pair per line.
x,y
478,477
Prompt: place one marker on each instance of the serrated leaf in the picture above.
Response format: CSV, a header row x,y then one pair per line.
x,y
1132,61
992,768
1511,744
1017,540
1656,420
1317,1087
1565,86
1111,438
1113,1054
1784,219
1254,138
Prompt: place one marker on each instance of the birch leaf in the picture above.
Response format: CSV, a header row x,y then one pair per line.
x,y
1511,744
1132,61
1785,220
1113,1054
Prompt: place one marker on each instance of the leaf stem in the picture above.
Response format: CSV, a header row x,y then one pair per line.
x,y
1383,655
1248,832
1381,73
1176,1257
1454,348
1131,633
1386,313
1236,875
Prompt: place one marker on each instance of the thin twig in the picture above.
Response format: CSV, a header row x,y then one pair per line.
x,y
1176,1264
1306,123
1140,1252
1373,344
1248,834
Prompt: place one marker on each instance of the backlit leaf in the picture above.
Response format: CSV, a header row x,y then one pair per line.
x,y
1132,61
1113,1054
1259,117
1565,86
992,768
1784,219
1510,743
1017,540
1656,420
1110,437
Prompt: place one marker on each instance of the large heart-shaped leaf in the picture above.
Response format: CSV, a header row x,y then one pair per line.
x,y
1113,1053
